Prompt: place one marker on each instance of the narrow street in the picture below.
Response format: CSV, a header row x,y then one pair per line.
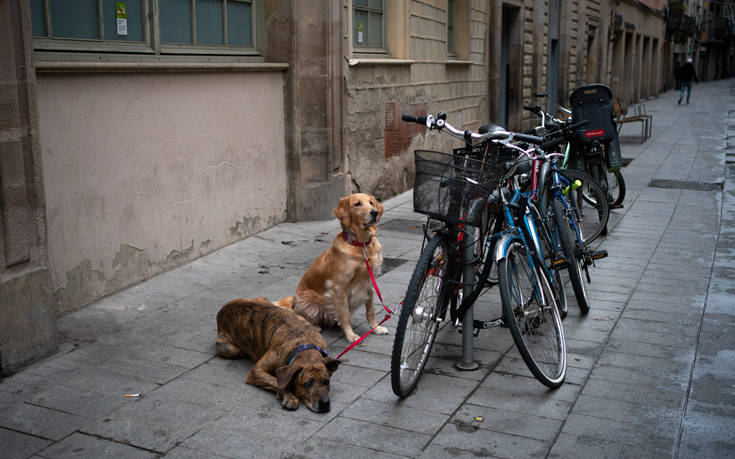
x,y
651,367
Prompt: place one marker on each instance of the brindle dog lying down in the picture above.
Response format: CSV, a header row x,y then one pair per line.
x,y
289,353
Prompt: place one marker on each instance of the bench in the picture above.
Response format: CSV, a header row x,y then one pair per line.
x,y
639,115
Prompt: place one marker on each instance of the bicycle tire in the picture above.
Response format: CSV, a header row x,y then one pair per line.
x,y
535,326
616,187
574,267
590,208
427,295
550,253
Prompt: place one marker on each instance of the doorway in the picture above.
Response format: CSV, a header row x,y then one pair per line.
x,y
510,65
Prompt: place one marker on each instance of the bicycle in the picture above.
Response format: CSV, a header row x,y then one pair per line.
x,y
597,149
564,214
437,277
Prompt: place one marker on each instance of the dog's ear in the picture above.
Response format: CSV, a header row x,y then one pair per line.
x,y
342,211
285,377
379,206
332,364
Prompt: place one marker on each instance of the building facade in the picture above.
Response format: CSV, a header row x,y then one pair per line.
x,y
142,134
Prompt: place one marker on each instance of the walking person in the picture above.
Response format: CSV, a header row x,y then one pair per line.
x,y
686,75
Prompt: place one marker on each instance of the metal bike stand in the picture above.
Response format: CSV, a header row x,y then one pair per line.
x,y
468,363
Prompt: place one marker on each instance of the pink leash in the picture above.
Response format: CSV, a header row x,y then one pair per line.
x,y
380,297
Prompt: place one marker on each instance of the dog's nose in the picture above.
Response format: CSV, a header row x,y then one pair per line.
x,y
374,213
323,405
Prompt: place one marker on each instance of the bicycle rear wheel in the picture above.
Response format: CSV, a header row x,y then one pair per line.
x,y
590,207
530,311
426,299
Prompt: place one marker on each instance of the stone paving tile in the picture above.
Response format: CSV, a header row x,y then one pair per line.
x,y
644,439
367,435
509,422
76,401
659,420
181,452
543,404
706,434
39,421
658,396
662,351
17,444
479,442
443,394
523,385
653,337
152,423
393,415
335,449
575,446
81,445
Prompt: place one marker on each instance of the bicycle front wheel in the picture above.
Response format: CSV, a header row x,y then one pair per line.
x,y
530,311
574,262
426,298
590,207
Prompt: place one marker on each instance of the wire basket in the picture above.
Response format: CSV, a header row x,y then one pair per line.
x,y
446,185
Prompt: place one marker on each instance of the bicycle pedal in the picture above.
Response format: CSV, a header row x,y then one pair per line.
x,y
599,255
559,263
616,206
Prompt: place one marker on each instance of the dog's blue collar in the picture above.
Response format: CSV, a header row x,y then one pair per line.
x,y
303,347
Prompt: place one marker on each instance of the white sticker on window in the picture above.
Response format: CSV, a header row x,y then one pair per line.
x,y
359,32
121,13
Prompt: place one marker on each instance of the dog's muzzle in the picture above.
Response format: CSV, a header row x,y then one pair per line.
x,y
373,216
323,405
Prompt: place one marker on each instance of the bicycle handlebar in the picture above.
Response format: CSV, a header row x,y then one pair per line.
x,y
413,118
496,134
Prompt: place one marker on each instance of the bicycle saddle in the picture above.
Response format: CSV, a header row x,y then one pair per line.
x,y
523,166
484,129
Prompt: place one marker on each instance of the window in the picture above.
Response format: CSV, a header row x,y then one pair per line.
x,y
451,28
208,22
181,26
368,31
88,19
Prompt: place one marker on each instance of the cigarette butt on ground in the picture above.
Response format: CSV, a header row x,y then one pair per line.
x,y
131,395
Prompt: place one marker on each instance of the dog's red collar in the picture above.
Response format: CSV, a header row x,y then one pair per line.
x,y
350,239
303,347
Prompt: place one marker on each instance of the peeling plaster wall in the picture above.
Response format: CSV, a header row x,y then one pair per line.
x,y
144,172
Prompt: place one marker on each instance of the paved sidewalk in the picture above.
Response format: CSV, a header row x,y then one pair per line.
x,y
651,368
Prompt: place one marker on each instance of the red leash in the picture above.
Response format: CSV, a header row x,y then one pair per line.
x,y
380,297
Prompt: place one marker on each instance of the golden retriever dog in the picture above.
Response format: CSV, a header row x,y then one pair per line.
x,y
289,353
338,282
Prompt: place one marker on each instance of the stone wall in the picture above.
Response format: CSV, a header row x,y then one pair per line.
x,y
27,305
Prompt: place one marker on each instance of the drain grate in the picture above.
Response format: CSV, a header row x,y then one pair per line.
x,y
685,185
403,226
389,264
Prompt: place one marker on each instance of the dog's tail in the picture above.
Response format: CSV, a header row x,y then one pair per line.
x,y
286,302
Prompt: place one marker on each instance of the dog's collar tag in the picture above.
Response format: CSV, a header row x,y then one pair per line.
x,y
303,347
350,239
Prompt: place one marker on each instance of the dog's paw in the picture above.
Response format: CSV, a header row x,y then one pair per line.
x,y
381,330
351,337
290,402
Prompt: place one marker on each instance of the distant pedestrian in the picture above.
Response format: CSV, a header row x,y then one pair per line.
x,y
686,75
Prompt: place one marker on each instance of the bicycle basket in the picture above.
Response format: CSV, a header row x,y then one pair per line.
x,y
446,184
